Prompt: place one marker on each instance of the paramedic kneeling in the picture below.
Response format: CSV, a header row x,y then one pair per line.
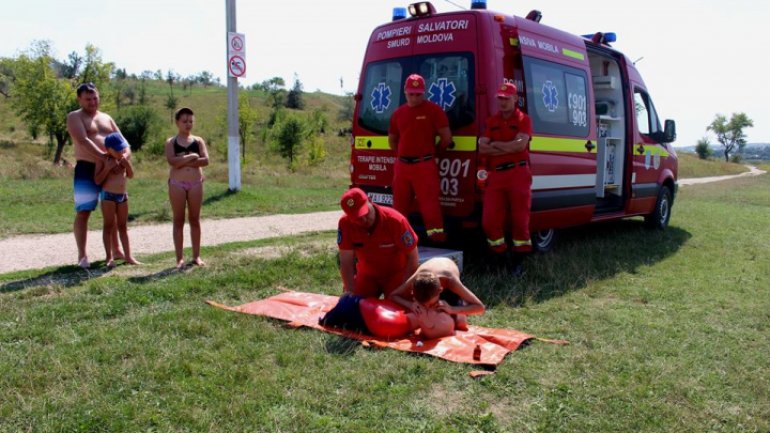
x,y
505,143
378,247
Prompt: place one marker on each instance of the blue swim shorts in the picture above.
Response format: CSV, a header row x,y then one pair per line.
x,y
86,190
119,197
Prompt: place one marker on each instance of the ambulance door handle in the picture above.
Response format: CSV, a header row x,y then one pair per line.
x,y
589,146
640,149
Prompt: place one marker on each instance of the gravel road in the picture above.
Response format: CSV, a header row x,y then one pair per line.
x,y
38,251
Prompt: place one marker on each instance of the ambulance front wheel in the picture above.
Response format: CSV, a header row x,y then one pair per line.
x,y
659,217
544,240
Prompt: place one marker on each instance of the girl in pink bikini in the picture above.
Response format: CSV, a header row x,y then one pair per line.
x,y
186,154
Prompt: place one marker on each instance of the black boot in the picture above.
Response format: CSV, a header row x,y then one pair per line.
x,y
516,265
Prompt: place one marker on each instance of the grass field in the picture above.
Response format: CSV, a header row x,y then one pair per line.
x,y
668,333
692,166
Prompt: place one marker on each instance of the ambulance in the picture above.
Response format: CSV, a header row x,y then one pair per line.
x,y
598,151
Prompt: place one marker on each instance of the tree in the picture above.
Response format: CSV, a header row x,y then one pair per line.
x,y
290,135
294,98
42,100
247,117
703,148
730,134
7,75
138,123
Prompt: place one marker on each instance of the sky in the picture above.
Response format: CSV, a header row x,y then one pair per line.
x,y
698,58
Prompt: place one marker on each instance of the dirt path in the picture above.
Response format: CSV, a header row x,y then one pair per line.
x,y
38,251
753,171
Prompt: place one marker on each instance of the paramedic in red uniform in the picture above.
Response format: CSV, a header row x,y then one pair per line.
x,y
412,134
505,144
378,248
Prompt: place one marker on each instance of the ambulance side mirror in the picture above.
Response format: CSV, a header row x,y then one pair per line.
x,y
669,131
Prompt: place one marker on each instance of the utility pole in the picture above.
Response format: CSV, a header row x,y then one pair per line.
x,y
233,138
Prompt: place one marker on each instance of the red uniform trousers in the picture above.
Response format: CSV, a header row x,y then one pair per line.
x,y
370,285
421,180
508,192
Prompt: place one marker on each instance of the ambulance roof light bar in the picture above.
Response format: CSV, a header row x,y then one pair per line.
x,y
602,38
421,9
478,4
399,13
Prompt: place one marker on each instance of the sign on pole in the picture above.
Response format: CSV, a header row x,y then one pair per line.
x,y
236,67
236,54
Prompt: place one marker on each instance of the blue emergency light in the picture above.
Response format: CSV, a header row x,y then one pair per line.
x,y
602,38
478,4
399,13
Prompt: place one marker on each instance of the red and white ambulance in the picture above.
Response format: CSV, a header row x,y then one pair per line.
x,y
598,150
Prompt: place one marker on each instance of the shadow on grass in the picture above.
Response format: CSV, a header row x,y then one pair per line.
x,y
158,275
338,345
582,254
64,276
217,197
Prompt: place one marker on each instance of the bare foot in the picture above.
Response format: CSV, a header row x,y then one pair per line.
x,y
132,261
118,255
84,263
180,264
198,262
110,263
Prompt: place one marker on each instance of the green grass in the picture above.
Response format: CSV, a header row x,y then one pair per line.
x,y
668,333
692,166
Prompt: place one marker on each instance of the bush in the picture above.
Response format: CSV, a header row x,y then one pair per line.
x,y
703,148
138,123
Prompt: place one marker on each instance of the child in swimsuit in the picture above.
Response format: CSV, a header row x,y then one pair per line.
x,y
186,154
427,296
112,174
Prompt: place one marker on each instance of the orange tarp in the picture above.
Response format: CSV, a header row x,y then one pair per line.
x,y
304,309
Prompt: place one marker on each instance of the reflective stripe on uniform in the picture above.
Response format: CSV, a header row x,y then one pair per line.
x,y
434,231
496,242
518,243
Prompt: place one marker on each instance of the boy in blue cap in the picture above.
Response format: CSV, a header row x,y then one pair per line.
x,y
112,174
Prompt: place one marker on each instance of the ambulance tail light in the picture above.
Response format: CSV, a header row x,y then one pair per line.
x,y
399,13
421,9
479,4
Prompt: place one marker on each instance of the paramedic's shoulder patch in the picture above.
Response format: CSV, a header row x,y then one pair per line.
x,y
407,238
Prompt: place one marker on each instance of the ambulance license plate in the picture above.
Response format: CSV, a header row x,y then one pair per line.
x,y
379,198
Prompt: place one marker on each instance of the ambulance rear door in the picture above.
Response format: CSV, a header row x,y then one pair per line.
x,y
563,147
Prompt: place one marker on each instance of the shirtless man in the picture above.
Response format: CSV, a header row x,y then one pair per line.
x,y
88,126
421,295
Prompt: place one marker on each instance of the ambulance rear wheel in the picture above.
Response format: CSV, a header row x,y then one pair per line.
x,y
544,240
659,217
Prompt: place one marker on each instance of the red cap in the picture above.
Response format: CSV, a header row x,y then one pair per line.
x,y
414,84
506,90
354,203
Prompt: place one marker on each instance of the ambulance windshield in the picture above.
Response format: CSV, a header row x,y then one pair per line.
x,y
448,83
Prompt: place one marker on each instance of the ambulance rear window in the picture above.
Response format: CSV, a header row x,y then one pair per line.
x,y
381,95
557,98
448,82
